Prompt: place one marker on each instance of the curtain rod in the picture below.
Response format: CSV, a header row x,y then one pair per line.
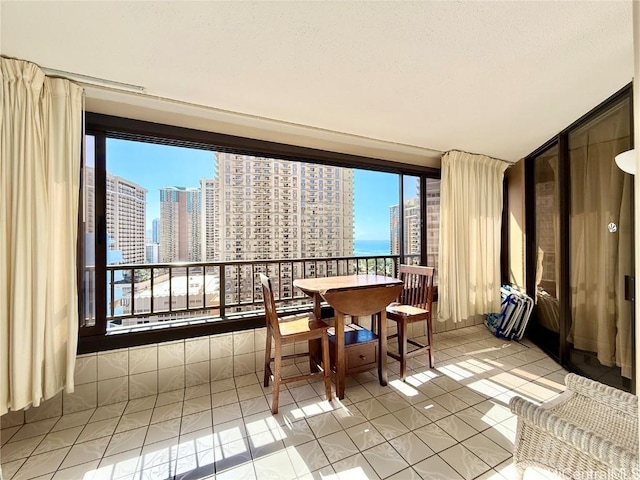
x,y
95,81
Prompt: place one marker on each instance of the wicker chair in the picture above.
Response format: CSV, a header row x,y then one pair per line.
x,y
589,431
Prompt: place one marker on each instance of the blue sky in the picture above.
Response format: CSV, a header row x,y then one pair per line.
x,y
156,166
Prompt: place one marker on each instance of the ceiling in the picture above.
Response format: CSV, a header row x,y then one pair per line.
x,y
498,78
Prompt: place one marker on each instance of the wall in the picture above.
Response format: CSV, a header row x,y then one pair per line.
x,y
120,375
636,133
182,114
129,373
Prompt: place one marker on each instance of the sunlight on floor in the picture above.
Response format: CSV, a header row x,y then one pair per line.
x,y
449,422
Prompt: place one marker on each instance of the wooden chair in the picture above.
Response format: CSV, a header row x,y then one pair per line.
x,y
414,305
285,332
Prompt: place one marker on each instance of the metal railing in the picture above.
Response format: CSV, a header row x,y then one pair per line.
x,y
150,293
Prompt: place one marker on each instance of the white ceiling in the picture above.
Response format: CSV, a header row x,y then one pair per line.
x,y
498,78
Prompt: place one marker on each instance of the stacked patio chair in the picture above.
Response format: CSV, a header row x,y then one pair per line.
x,y
512,320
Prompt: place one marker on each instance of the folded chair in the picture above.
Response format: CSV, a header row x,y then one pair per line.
x,y
414,305
284,332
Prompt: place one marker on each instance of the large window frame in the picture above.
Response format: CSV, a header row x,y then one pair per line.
x,y
100,126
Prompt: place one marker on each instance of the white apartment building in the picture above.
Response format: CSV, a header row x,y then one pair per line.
x,y
180,223
263,208
126,218
210,219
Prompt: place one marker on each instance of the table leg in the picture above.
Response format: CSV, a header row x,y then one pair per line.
x,y
317,305
382,347
340,355
315,348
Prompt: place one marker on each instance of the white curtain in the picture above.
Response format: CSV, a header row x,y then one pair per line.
x,y
40,141
470,221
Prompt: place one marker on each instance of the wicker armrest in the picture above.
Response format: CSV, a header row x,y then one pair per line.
x,y
604,394
583,439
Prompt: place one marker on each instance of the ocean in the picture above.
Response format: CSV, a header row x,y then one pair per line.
x,y
371,247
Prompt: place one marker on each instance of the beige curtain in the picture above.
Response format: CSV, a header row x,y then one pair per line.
x,y
40,140
470,221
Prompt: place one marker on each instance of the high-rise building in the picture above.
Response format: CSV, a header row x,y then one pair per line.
x,y
126,218
210,223
433,222
412,223
155,231
394,229
263,208
89,199
180,223
411,227
326,195
152,252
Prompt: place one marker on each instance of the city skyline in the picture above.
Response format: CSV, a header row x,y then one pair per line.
x,y
155,167
234,207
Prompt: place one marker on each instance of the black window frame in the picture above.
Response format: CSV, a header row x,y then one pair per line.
x,y
95,338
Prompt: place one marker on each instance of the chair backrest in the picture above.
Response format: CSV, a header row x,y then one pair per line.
x,y
418,286
269,305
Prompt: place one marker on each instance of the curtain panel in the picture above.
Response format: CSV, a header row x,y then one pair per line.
x,y
40,142
470,221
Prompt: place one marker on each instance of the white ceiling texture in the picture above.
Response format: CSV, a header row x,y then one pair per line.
x,y
398,80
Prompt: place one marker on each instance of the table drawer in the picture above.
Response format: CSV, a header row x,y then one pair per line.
x,y
360,349
361,356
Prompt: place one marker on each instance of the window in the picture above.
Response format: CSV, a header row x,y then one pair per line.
x,y
412,221
172,249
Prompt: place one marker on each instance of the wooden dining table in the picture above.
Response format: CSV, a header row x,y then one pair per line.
x,y
354,295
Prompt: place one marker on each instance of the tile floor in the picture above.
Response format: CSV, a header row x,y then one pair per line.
x,y
451,422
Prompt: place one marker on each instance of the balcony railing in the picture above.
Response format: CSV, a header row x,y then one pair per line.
x,y
139,295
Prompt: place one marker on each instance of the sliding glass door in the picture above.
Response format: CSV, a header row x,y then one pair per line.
x,y
546,324
581,258
600,232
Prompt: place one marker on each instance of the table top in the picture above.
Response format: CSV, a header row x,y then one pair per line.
x,y
321,285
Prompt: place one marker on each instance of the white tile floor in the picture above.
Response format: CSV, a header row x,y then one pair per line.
x,y
451,422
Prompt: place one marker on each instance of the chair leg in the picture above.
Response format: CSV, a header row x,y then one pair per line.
x,y
402,348
326,365
430,339
315,353
277,360
267,359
